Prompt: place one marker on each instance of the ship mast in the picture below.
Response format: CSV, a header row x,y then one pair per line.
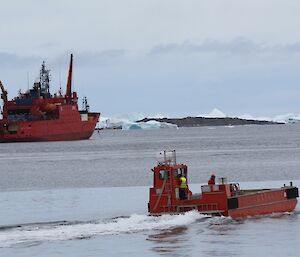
x,y
85,105
4,98
4,93
44,79
69,84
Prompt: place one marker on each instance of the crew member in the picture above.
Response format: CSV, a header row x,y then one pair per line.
x,y
182,188
211,181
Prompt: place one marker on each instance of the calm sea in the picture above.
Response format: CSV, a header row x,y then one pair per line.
x,y
89,198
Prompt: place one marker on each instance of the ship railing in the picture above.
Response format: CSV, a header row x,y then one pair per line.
x,y
166,157
209,188
210,207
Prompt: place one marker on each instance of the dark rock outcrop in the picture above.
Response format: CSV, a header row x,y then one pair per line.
x,y
203,121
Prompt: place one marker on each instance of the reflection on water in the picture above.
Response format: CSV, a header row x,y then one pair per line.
x,y
176,241
223,225
170,242
208,235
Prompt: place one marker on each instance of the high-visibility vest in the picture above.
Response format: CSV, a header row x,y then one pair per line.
x,y
183,182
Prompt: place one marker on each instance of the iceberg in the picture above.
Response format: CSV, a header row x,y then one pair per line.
x,y
284,118
110,123
250,117
215,113
287,118
125,124
147,125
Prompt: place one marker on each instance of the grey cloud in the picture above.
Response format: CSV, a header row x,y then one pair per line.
x,y
293,48
50,44
100,58
91,58
238,45
11,61
8,60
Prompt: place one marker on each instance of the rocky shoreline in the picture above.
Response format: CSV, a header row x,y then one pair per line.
x,y
204,121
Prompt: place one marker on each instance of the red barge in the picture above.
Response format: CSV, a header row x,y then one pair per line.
x,y
39,116
226,199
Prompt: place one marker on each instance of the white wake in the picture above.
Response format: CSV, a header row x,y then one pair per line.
x,y
135,223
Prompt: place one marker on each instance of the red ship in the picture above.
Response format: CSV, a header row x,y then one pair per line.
x,y
226,199
39,116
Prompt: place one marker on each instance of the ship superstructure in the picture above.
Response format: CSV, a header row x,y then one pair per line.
x,y
37,115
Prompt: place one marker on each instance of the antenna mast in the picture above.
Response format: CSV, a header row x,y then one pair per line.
x,y
44,79
59,79
27,80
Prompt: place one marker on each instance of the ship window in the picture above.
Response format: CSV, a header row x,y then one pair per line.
x,y
175,173
180,172
163,174
19,112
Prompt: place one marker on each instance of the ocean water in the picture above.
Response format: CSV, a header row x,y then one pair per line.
x,y
89,198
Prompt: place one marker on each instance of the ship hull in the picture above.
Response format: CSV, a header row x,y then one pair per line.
x,y
268,208
285,206
49,130
264,202
56,137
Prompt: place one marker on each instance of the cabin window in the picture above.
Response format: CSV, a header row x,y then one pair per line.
x,y
180,172
163,174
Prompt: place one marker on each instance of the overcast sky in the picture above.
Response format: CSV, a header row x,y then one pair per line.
x,y
159,56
